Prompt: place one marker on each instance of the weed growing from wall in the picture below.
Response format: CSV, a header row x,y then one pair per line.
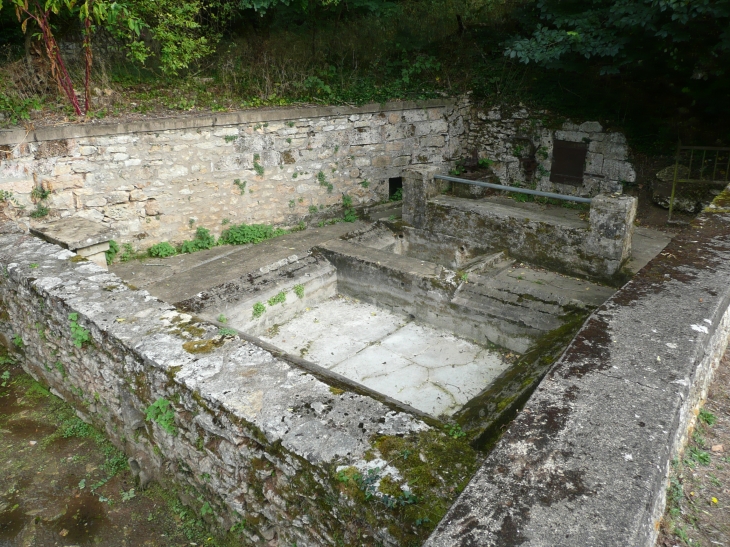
x,y
322,179
258,310
299,290
241,234
162,414
241,185
112,252
257,166
203,240
348,209
278,298
161,250
79,335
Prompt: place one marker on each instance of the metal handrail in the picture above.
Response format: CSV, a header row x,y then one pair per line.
x,y
701,179
514,189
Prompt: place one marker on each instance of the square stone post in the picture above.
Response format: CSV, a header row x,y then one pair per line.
x,y
612,226
418,187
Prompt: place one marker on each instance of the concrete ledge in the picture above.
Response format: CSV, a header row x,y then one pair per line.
x,y
15,136
587,460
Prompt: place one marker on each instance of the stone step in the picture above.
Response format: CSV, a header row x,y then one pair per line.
x,y
522,313
488,265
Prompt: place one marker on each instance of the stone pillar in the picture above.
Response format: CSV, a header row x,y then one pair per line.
x,y
612,225
418,187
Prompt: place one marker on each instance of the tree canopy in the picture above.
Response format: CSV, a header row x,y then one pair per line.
x,y
686,36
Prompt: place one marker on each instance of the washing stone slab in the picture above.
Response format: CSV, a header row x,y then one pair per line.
x,y
419,365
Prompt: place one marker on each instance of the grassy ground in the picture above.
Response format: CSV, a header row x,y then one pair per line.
x,y
63,483
698,498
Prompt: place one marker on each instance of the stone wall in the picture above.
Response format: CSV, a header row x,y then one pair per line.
x,y
587,461
521,147
258,438
598,248
160,179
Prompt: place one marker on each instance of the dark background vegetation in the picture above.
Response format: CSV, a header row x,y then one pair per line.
x,y
657,73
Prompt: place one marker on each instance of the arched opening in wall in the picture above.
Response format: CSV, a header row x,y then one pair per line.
x,y
394,184
569,160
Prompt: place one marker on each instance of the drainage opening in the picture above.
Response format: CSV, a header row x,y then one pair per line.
x,y
394,184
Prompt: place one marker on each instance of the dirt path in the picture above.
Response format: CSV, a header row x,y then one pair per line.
x,y
698,499
62,483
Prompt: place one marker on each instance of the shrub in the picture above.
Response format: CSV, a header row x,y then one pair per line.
x,y
161,250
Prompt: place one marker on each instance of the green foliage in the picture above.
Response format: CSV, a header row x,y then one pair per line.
x,y
241,234
257,166
299,290
18,342
258,310
79,335
7,196
365,183
162,413
161,250
115,461
454,431
397,195
241,185
278,298
38,193
203,240
40,211
485,163
349,211
222,318
128,253
227,332
18,108
707,417
112,252
322,179
313,210
683,36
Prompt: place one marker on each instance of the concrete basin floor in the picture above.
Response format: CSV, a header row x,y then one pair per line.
x,y
426,368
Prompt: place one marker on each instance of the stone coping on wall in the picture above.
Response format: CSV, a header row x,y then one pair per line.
x,y
254,433
586,462
73,131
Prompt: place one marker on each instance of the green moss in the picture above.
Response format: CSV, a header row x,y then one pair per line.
x,y
78,258
336,390
202,346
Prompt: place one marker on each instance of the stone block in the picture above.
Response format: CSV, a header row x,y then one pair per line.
x,y
418,187
24,186
117,196
594,163
618,170
65,182
590,127
137,195
94,201
74,233
612,226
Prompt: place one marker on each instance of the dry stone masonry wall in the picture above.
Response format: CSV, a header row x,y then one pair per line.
x,y
521,147
161,179
257,439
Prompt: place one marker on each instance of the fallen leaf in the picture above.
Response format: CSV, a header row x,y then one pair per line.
x,y
717,448
63,532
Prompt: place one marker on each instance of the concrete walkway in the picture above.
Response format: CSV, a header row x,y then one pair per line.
x,y
183,276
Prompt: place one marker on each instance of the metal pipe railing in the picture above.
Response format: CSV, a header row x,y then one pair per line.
x,y
514,189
